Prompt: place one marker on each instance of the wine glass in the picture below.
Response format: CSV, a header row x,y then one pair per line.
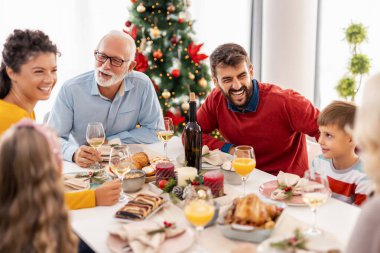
x,y
95,137
315,193
120,164
199,210
166,134
244,162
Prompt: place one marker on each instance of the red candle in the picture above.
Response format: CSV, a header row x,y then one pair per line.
x,y
165,171
214,180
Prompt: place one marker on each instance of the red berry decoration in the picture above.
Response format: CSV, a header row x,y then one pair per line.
x,y
180,20
288,189
176,73
174,40
162,183
128,23
133,1
157,54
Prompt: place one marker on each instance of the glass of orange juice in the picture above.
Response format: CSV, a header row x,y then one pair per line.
x,y
199,211
244,162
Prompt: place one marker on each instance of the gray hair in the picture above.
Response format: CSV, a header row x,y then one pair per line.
x,y
130,41
367,128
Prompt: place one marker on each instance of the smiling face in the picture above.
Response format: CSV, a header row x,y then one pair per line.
x,y
235,83
106,74
36,78
335,142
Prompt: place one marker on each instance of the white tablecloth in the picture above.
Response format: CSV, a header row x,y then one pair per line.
x,y
93,224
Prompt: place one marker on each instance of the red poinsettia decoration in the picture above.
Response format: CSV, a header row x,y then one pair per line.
x,y
132,31
177,119
141,62
193,50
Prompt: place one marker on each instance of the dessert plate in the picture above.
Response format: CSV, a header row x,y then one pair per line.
x,y
172,245
267,188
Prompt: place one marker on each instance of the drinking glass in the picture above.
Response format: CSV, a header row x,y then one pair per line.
x,y
315,194
199,211
120,164
95,138
166,134
244,162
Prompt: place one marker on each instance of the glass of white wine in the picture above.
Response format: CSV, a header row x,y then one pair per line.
x,y
244,162
120,164
199,211
315,194
166,134
95,136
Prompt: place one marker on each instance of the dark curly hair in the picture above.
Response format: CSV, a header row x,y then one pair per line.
x,y
229,54
18,48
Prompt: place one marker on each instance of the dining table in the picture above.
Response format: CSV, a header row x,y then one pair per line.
x,y
335,218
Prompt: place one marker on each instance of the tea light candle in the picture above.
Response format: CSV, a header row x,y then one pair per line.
x,y
214,181
186,173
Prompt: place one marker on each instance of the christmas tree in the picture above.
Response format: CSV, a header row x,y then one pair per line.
x,y
166,52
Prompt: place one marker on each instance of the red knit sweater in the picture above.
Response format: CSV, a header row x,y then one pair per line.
x,y
275,131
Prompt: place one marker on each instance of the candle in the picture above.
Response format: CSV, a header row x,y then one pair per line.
x,y
184,174
214,181
164,171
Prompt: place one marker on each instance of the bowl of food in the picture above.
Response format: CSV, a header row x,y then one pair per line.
x,y
230,176
133,180
250,218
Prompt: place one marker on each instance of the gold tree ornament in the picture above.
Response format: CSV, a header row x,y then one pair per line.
x,y
140,8
155,32
202,82
171,7
166,94
191,76
185,106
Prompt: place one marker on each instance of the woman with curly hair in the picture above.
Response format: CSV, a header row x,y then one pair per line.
x,y
28,73
32,207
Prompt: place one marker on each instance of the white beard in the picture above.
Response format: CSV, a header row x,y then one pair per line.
x,y
115,79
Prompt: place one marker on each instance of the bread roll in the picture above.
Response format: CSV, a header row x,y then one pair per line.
x,y
140,160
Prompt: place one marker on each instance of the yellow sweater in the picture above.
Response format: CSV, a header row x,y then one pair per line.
x,y
11,114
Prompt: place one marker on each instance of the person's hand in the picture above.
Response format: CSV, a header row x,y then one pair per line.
x,y
86,156
244,248
108,193
232,151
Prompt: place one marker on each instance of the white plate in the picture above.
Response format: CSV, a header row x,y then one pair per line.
x,y
205,166
173,245
315,243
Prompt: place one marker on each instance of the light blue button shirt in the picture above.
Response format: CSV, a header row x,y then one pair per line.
x,y
80,102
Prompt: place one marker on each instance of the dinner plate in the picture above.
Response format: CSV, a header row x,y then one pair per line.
x,y
267,188
314,244
173,245
205,166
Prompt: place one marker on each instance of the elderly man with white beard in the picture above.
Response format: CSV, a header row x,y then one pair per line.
x,y
112,94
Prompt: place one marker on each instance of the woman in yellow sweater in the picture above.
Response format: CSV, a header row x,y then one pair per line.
x,y
28,73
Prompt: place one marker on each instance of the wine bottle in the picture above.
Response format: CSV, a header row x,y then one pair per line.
x,y
193,138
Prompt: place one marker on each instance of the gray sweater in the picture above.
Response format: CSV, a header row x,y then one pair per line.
x,y
366,234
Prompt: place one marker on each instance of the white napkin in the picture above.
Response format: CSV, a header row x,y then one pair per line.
x,y
138,238
213,157
105,149
72,183
288,180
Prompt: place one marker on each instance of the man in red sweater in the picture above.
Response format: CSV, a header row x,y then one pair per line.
x,y
271,120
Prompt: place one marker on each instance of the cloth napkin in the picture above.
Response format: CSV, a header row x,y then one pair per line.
x,y
139,239
288,180
71,183
213,157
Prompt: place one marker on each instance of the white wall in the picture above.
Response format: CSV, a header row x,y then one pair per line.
x,y
288,46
